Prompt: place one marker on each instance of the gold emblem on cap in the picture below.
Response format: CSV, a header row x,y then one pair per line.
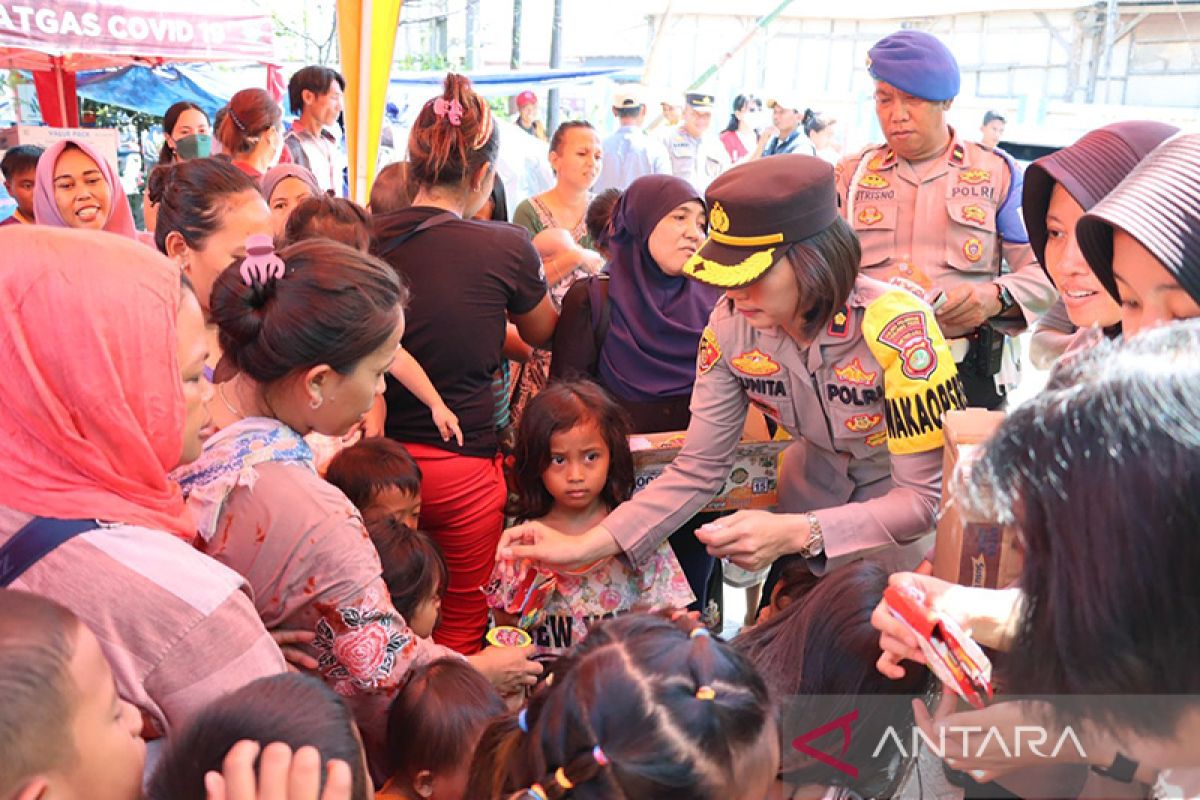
x,y
718,219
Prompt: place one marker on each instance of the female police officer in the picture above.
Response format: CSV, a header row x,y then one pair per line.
x,y
855,370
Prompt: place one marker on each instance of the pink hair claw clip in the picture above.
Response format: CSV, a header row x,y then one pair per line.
x,y
448,109
261,263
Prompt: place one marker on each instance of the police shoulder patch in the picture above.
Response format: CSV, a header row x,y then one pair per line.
x,y
920,378
710,351
839,323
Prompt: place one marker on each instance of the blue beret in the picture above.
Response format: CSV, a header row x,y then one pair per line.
x,y
915,62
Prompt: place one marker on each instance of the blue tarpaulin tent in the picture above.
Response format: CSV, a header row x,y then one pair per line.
x,y
145,89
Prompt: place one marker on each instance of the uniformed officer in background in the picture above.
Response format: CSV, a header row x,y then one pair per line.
x,y
695,156
854,369
941,216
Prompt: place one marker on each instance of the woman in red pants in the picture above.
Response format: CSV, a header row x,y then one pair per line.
x,y
467,278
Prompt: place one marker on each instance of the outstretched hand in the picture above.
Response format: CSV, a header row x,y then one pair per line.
x,y
282,775
543,545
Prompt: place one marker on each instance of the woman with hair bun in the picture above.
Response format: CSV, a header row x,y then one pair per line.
x,y
309,332
468,277
252,132
207,208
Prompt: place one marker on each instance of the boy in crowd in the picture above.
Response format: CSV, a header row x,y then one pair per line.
x,y
19,166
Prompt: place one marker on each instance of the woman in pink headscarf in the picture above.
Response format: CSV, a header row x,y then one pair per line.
x,y
77,187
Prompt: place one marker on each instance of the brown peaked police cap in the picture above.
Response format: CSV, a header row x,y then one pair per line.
x,y
755,211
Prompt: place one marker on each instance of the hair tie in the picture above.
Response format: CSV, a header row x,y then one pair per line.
x,y
450,110
522,723
261,264
706,693
696,633
560,777
236,121
486,124
599,756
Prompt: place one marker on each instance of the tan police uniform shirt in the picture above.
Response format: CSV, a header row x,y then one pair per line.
x,y
864,402
936,224
697,161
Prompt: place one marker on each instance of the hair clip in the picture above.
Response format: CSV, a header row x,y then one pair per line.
x,y
451,110
537,791
236,121
560,777
697,632
706,693
261,263
522,722
599,756
486,124
549,679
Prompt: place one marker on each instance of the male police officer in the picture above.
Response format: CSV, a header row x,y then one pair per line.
x,y
942,216
695,157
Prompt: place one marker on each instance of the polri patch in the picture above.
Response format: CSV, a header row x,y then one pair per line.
x,y
973,249
876,439
855,373
861,423
710,352
873,181
974,176
974,214
755,362
908,335
870,215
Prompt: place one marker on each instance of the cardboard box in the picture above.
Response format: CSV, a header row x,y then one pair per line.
x,y
103,139
753,480
970,553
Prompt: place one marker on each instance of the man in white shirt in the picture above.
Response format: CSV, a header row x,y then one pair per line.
x,y
787,114
630,153
316,93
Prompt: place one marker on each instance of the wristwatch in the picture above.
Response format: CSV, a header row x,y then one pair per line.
x,y
1122,769
815,546
1006,299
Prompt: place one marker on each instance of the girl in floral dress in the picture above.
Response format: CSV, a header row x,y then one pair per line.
x,y
573,466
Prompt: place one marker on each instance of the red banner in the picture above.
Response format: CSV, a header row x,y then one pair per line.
x,y
223,29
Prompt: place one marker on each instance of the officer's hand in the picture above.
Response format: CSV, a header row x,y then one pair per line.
x,y
754,539
967,307
552,549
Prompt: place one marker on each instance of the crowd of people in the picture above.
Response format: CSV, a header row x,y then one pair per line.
x,y
304,499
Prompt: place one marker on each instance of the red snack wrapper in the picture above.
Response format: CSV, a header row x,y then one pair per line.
x,y
952,654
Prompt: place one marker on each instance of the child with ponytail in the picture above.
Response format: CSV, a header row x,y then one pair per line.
x,y
646,708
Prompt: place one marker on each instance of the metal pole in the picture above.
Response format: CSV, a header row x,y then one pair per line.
x,y
1110,35
762,23
472,20
555,62
514,61
360,190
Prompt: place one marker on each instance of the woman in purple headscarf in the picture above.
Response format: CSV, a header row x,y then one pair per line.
x,y
77,187
635,329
